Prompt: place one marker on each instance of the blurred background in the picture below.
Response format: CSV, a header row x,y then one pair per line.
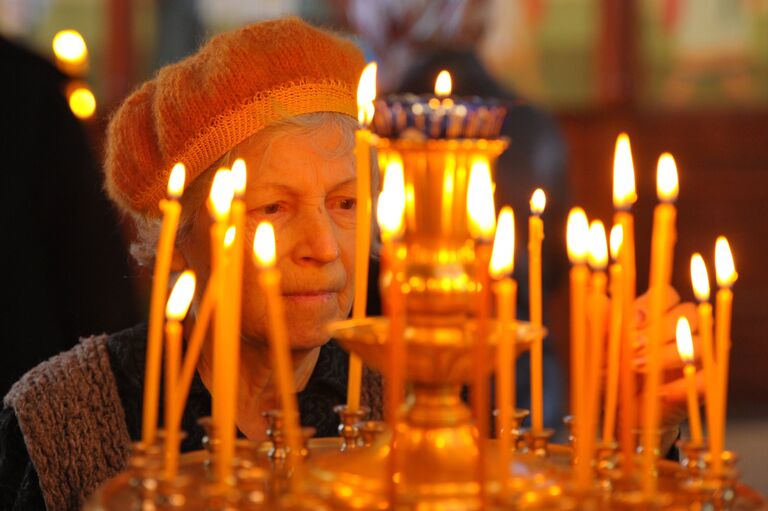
x,y
685,76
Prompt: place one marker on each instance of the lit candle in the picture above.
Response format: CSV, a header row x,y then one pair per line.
x,y
725,273
685,350
614,337
598,261
700,282
481,220
662,254
577,234
390,215
280,350
171,211
505,287
624,196
178,305
219,204
535,237
366,94
195,341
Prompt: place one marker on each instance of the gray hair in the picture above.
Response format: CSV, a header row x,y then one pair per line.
x,y
194,198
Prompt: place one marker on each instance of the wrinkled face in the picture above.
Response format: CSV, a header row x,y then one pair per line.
x,y
305,186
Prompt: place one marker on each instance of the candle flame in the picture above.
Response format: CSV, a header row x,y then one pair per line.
x,y
577,235
666,178
598,247
82,102
503,253
443,84
264,245
229,236
699,278
481,214
617,239
725,270
239,177
181,296
69,46
222,193
538,202
390,210
684,340
176,181
366,94
624,194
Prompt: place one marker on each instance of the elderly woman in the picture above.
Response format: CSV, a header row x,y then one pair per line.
x,y
281,95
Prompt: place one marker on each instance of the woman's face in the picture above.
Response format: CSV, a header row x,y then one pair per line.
x,y
301,184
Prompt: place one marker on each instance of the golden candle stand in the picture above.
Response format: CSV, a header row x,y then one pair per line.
x,y
437,445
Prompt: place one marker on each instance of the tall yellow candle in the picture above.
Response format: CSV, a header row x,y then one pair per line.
x,y
195,341
700,282
578,241
390,215
614,337
685,350
505,288
219,204
481,220
725,273
366,93
280,350
171,211
535,237
624,196
662,253
178,305
228,352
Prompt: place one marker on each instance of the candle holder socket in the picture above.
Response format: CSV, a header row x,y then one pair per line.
x,y
276,435
537,442
307,433
349,419
370,431
570,424
516,431
607,465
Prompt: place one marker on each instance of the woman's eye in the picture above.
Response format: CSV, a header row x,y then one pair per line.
x,y
347,203
270,209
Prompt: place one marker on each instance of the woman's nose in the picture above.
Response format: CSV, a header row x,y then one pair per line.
x,y
318,241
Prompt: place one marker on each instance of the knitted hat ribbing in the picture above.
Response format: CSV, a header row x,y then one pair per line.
x,y
196,110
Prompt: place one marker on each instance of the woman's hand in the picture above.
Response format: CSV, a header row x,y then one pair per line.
x,y
672,391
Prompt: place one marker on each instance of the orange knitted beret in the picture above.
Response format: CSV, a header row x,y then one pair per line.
x,y
196,110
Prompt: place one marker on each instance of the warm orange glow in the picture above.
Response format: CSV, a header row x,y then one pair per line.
x,y
617,239
264,245
222,193
481,214
69,46
229,236
239,177
699,278
725,270
598,246
366,94
443,84
181,296
82,102
666,178
624,194
684,340
577,236
538,202
503,254
390,210
176,181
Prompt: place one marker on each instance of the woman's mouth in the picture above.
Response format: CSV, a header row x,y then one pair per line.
x,y
309,297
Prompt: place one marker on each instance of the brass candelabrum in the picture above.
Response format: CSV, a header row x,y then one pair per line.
x,y
438,445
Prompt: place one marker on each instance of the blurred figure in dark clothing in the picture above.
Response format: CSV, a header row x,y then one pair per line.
x,y
62,244
413,41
